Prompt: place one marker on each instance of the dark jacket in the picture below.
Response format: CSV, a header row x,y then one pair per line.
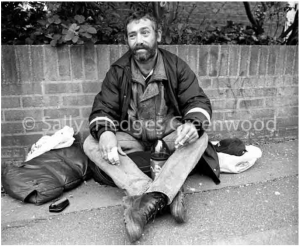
x,y
111,104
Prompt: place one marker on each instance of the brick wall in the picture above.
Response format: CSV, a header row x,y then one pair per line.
x,y
253,90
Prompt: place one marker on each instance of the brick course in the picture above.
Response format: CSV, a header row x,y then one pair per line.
x,y
51,63
90,63
248,86
10,102
76,54
64,67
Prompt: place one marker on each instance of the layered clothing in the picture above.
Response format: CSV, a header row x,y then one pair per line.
x,y
173,90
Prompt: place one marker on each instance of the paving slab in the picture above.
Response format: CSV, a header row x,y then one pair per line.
x,y
278,160
218,215
281,236
262,213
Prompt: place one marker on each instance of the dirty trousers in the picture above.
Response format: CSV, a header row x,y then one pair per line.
x,y
129,177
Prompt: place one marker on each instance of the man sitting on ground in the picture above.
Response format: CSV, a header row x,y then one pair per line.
x,y
149,93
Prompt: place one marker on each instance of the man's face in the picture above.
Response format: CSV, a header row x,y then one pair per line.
x,y
142,39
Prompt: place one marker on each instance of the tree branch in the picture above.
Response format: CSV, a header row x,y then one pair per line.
x,y
176,12
264,6
249,14
291,27
294,35
257,28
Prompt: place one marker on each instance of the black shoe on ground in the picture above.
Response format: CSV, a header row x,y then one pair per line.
x,y
139,210
178,208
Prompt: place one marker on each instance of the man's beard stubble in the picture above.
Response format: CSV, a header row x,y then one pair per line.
x,y
150,52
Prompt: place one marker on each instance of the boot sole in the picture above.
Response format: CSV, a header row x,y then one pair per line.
x,y
179,212
134,232
180,216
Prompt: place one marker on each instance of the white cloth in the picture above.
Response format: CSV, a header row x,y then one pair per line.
x,y
237,164
60,139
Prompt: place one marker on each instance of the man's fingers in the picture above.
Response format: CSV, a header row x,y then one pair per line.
x,y
109,157
179,129
107,154
187,135
195,138
113,156
101,151
103,154
191,136
181,132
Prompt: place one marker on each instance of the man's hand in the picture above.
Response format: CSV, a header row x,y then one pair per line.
x,y
109,148
186,133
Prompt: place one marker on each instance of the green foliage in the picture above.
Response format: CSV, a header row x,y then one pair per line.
x,y
59,23
79,23
74,30
232,33
18,23
178,31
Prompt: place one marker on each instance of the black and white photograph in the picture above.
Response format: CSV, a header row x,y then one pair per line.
x,y
149,123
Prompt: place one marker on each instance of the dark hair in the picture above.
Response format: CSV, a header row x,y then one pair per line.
x,y
141,15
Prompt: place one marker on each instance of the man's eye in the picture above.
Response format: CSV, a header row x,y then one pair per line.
x,y
145,32
131,36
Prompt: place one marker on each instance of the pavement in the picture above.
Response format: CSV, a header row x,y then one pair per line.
x,y
258,206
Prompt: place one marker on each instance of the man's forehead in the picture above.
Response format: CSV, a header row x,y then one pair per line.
x,y
138,24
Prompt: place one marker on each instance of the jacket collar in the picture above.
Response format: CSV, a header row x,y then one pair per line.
x,y
124,60
170,62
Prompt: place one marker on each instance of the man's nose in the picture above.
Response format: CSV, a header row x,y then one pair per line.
x,y
139,39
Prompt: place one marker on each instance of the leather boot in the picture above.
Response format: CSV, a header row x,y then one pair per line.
x,y
139,210
178,207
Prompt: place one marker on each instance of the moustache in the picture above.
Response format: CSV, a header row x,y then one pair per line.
x,y
141,47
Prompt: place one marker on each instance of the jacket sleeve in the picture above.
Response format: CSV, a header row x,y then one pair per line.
x,y
105,111
195,106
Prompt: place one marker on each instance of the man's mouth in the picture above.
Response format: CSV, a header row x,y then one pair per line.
x,y
141,49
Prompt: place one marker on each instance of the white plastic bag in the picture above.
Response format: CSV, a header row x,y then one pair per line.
x,y
237,164
60,139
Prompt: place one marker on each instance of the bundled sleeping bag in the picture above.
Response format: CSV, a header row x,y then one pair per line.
x,y
45,177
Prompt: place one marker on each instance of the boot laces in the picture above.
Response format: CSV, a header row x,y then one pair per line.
x,y
151,214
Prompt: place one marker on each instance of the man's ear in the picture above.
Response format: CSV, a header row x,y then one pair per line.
x,y
159,34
